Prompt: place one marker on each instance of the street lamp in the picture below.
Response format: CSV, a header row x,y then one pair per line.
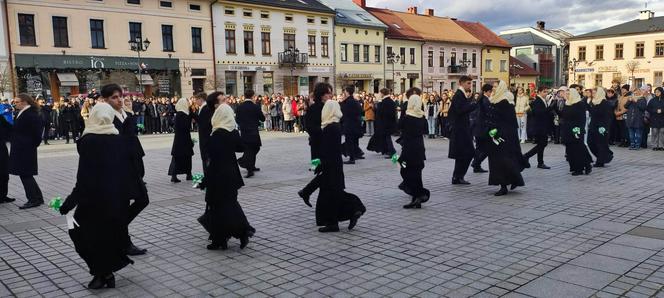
x,y
137,45
572,65
393,58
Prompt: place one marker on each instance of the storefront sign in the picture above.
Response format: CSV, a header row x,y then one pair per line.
x,y
355,76
413,75
33,83
93,62
164,85
585,69
248,68
642,70
316,69
607,69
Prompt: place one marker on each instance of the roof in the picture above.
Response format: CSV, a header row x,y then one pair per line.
x,y
519,68
437,28
306,5
651,25
349,13
525,39
558,34
481,32
396,27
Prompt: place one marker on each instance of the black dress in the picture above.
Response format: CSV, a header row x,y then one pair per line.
x,y
312,124
412,154
334,204
183,146
574,116
505,159
222,182
377,140
101,195
598,141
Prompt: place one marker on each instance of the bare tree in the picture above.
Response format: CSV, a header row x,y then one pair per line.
x,y
7,76
212,84
632,66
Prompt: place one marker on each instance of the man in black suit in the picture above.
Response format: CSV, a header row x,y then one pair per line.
x,y
5,131
25,137
207,103
479,128
152,115
249,117
125,123
461,138
540,125
351,126
388,117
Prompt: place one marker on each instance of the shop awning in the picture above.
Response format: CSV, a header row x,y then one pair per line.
x,y
68,79
145,79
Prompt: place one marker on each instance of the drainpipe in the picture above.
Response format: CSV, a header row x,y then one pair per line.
x,y
422,65
9,49
214,52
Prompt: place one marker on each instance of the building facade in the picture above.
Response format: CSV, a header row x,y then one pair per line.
x,y
359,42
61,49
522,75
7,81
495,54
631,52
273,47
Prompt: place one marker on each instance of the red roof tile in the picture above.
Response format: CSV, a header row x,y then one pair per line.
x,y
396,28
483,34
522,69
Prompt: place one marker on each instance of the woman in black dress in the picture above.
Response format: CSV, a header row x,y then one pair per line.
x,y
601,113
501,141
101,198
183,146
334,204
572,131
222,182
413,126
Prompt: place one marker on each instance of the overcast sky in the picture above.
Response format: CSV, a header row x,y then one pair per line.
x,y
577,17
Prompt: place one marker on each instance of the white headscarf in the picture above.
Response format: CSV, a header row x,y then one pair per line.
x,y
501,93
100,120
573,97
331,113
223,117
415,106
182,106
600,95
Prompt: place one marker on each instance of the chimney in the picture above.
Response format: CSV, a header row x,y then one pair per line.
x,y
541,25
361,3
646,15
428,12
412,10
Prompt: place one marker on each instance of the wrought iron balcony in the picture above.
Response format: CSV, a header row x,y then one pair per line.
x,y
460,69
293,59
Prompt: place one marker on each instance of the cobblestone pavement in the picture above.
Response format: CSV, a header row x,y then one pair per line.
x,y
560,236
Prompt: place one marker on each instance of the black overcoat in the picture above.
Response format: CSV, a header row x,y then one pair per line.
x,y
249,117
505,158
412,140
25,138
574,116
601,116
312,122
204,120
351,121
541,119
183,146
461,139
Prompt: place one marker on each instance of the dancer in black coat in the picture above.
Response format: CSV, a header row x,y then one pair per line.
x,y
334,204
461,138
249,118
478,129
5,132
385,126
572,131
540,124
411,161
204,121
601,114
351,126
101,197
183,147
222,182
25,138
505,158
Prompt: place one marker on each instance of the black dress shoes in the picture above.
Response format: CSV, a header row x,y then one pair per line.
x,y
175,180
99,282
353,220
588,170
349,162
31,204
459,181
415,204
249,175
257,170
6,200
244,241
501,192
479,170
543,166
328,229
132,250
189,177
304,197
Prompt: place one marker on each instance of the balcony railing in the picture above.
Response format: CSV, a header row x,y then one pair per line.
x,y
293,59
459,69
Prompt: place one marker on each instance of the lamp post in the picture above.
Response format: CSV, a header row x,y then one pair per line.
x,y
513,66
393,58
572,65
137,45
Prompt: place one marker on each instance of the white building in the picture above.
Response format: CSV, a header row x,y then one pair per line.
x,y
252,39
6,74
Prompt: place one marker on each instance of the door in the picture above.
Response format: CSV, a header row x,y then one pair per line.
x,y
198,85
290,85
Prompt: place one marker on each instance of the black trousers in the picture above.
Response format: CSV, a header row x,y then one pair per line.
x,y
461,167
389,146
644,136
69,126
540,143
352,146
314,184
249,157
412,178
479,157
32,191
4,184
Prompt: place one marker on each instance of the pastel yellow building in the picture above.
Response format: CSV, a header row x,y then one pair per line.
x,y
630,52
60,48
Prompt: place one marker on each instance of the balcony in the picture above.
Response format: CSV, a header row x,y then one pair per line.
x,y
457,69
293,59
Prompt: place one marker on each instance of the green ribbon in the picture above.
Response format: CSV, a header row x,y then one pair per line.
x,y
493,133
576,131
195,140
197,179
602,130
55,203
395,158
140,126
315,163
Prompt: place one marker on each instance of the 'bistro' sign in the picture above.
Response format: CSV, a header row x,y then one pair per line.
x,y
92,62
